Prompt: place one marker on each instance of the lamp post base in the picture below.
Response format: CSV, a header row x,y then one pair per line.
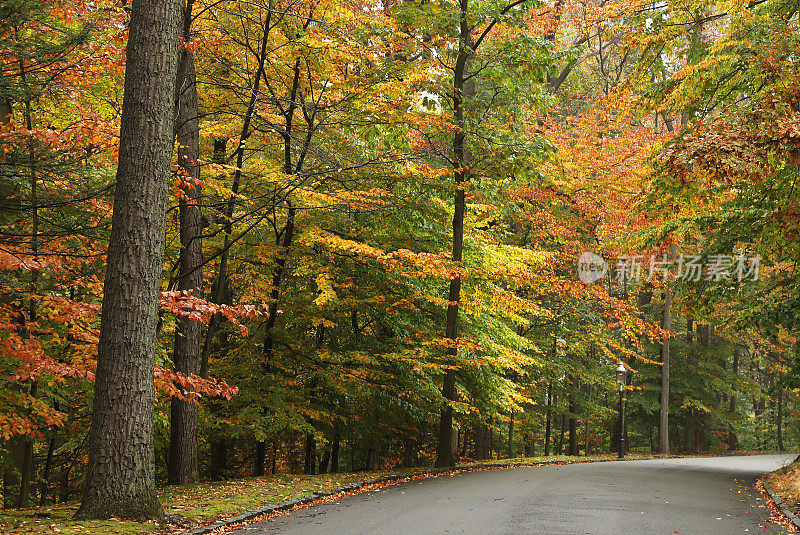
x,y
621,425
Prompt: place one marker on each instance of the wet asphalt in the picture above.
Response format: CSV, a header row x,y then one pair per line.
x,y
690,496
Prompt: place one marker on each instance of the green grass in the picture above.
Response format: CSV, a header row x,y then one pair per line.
x,y
59,520
198,503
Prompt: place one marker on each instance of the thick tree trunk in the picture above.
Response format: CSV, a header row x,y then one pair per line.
x,y
182,467
120,479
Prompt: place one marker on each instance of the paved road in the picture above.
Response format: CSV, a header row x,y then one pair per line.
x,y
702,496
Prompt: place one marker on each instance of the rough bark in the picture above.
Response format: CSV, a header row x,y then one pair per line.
x,y
182,467
120,479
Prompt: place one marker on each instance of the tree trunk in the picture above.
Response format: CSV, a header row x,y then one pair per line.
x,y
221,288
310,461
688,439
587,446
120,479
444,451
372,457
323,463
27,458
219,459
666,324
573,427
63,488
26,469
548,419
182,467
335,454
780,418
560,448
490,429
733,440
511,434
530,445
481,442
48,465
261,457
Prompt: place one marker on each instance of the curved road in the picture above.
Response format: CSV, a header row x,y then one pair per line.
x,y
699,496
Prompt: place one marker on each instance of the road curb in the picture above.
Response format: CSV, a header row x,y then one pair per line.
x,y
308,498
793,518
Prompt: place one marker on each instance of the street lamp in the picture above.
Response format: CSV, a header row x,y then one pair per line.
x,y
621,382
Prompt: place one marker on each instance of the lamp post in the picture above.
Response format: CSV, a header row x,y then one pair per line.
x,y
621,382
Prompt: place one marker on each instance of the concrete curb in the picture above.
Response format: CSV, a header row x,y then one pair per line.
x,y
308,498
793,518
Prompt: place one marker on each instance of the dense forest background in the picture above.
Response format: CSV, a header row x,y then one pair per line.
x,y
374,222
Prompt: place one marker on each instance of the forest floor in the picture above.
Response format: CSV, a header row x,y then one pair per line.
x,y
190,506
